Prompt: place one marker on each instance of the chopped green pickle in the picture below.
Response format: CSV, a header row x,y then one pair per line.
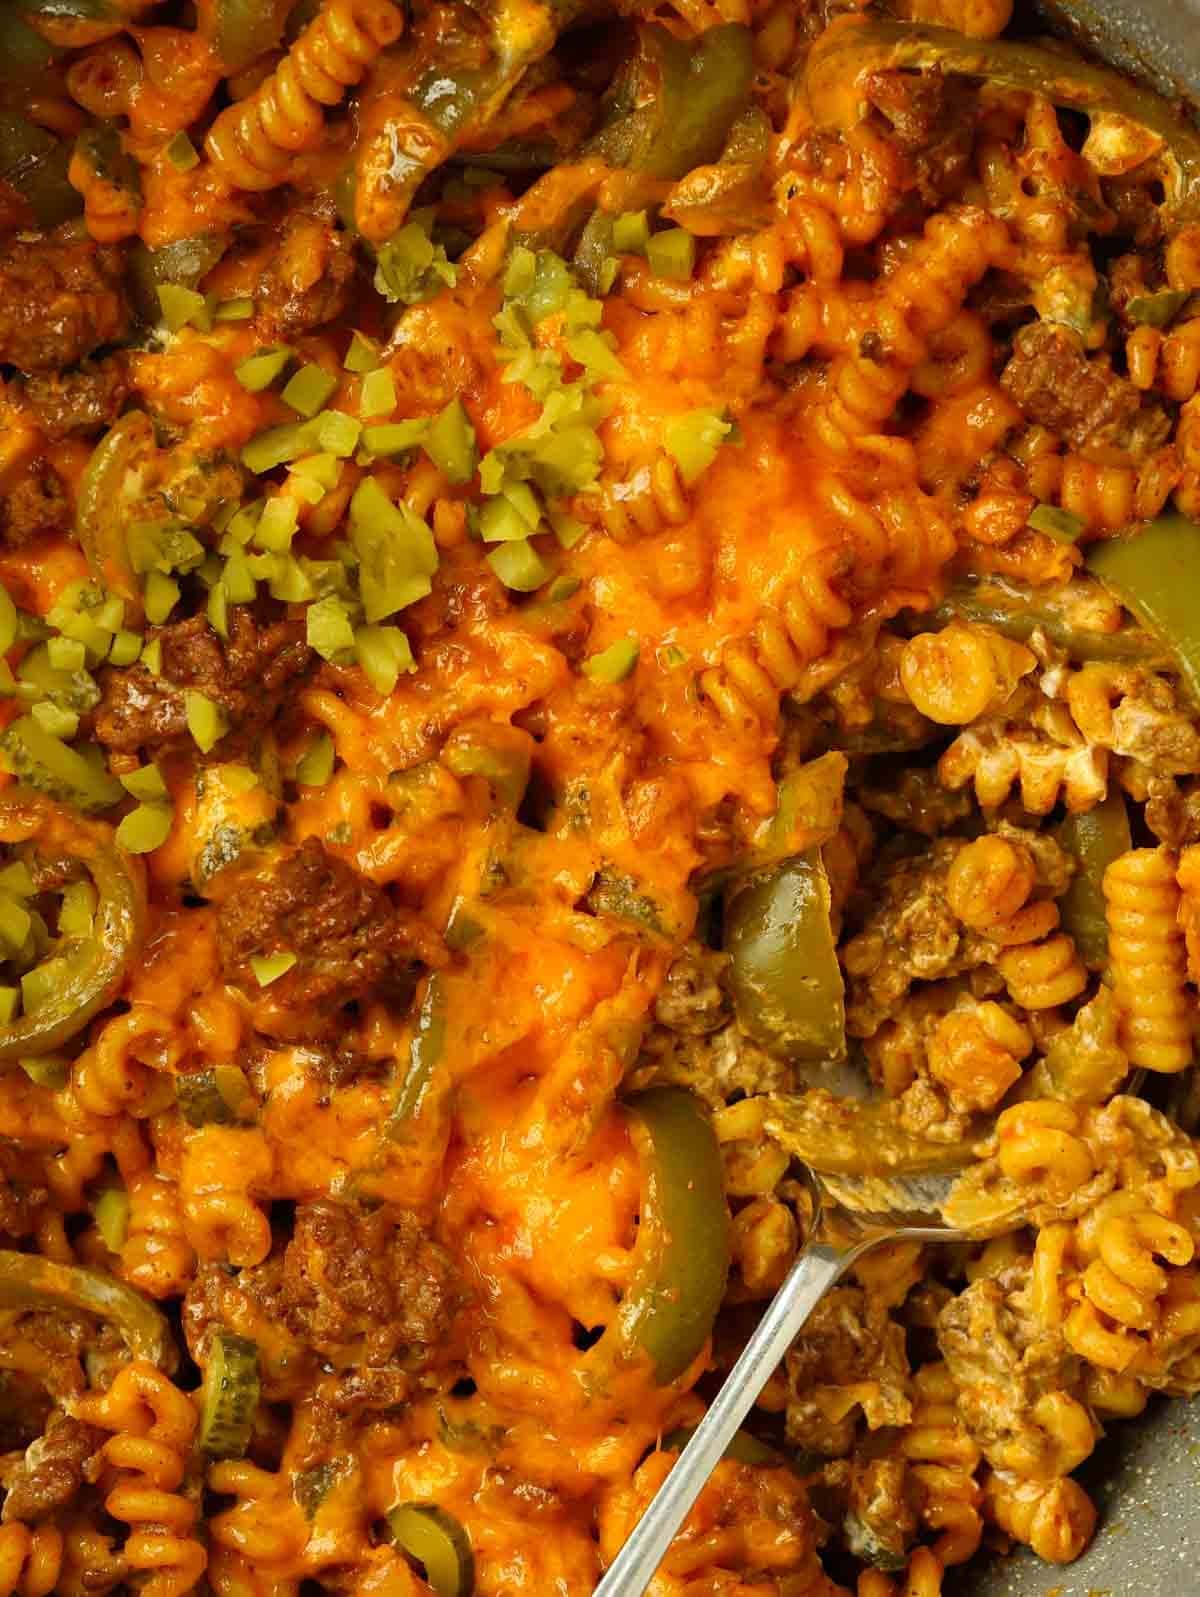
x,y
315,766
145,828
269,968
206,721
383,652
1061,525
672,254
518,565
363,354
615,663
110,1209
260,371
230,1395
450,443
308,389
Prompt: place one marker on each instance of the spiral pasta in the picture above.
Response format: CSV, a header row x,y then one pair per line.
x,y
31,1560
1147,961
154,1424
254,142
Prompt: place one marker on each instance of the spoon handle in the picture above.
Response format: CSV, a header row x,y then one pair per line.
x,y
813,1273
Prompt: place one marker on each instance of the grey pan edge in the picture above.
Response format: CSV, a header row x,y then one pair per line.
x,y
1145,1475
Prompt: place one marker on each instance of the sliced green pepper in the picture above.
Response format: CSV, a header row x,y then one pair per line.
x,y
853,47
94,976
1156,575
34,163
732,195
241,30
1095,838
672,107
182,263
115,477
854,1137
784,973
101,150
425,1054
231,1392
1020,612
683,1249
438,1543
24,55
29,1281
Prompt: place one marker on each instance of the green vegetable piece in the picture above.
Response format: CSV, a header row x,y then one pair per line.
x,y
110,1210
277,525
615,663
411,267
383,652
328,629
206,721
181,153
15,924
39,985
693,439
147,827
378,396
393,438
363,354
217,609
784,973
567,529
259,371
595,353
437,1542
58,722
520,272
41,761
10,1002
425,1055
1157,310
51,1071
672,107
275,447
17,879
500,521
270,967
8,620
631,232
396,552
1095,837
160,597
518,565
181,307
237,580
336,432
32,1281
77,910
450,443
308,389
66,654
152,657
231,1395
33,162
1058,524
240,309
672,254
563,588
681,1261
315,766
500,754
1156,575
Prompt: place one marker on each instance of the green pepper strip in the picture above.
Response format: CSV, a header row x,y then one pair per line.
x,y
681,1261
673,107
852,1137
1096,838
1156,575
425,1054
241,30
846,52
183,262
94,978
29,1281
99,525
34,163
784,974
395,158
1019,613
438,1542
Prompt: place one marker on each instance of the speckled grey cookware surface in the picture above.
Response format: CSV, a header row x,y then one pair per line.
x,y
1145,1476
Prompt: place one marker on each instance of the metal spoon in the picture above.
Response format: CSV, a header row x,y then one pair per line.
x,y
851,1215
